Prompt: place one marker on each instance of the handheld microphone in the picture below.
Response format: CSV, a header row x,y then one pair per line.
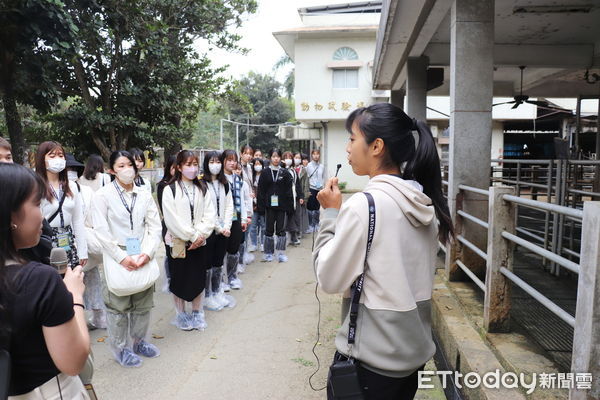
x,y
338,169
59,260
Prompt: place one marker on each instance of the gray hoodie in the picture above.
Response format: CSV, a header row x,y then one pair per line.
x,y
394,319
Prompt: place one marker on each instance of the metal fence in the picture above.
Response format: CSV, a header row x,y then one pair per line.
x,y
502,236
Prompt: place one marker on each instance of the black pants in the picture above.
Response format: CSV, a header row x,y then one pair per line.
x,y
275,222
235,239
380,387
216,247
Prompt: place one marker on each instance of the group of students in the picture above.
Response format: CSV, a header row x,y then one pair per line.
x,y
203,217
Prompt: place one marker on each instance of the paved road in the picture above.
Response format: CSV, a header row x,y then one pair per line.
x,y
261,349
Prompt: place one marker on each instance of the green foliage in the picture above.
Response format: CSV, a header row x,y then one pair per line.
x,y
257,100
132,75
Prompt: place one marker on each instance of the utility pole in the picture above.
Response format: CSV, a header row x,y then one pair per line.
x,y
221,137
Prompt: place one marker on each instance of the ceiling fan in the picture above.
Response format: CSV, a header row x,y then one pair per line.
x,y
521,98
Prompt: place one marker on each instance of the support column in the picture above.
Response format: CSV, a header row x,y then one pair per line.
x,y
471,90
586,338
416,87
397,98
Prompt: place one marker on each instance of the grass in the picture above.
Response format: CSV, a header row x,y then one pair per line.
x,y
304,362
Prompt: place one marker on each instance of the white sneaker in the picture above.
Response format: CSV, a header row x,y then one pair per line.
x,y
226,287
241,268
251,248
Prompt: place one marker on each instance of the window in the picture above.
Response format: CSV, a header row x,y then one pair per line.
x,y
345,79
345,53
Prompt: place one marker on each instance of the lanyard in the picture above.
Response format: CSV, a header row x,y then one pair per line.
x,y
275,177
192,200
129,210
60,211
358,284
215,188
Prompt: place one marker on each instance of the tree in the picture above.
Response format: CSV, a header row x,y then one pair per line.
x,y
34,35
136,79
258,101
288,83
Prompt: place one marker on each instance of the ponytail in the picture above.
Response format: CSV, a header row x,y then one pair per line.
x,y
425,168
394,127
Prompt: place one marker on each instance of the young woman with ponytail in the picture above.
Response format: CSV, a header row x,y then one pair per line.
x,y
393,336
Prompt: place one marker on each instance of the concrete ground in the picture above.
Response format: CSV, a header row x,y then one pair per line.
x,y
261,349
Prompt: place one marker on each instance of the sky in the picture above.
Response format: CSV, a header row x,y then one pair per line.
x,y
257,35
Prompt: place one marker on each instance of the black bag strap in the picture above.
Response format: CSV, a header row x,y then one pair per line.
x,y
357,287
60,204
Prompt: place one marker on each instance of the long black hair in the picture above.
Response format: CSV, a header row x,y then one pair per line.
x,y
206,174
94,164
167,171
182,157
394,127
19,184
121,153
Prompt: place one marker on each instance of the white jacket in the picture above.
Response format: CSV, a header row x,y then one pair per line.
x,y
394,323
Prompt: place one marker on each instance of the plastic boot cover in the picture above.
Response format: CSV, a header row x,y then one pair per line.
x,y
138,325
232,262
117,325
146,349
198,321
269,245
281,243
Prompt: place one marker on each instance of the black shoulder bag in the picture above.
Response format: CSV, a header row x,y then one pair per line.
x,y
343,375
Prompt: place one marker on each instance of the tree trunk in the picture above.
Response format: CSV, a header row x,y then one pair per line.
x,y
13,120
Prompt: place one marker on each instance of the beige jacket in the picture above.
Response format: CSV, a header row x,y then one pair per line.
x,y
394,322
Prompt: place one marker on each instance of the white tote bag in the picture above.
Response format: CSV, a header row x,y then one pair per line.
x,y
123,282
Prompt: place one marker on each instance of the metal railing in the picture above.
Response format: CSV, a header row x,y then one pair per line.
x,y
502,233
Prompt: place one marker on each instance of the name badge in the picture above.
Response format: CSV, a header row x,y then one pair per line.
x,y
64,240
274,201
133,246
234,218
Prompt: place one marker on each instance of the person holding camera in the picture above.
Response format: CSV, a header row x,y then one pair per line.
x,y
42,320
385,241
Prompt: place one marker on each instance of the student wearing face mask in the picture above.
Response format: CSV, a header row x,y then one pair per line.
x,y
293,218
93,285
257,229
140,162
168,174
229,161
127,225
301,211
62,205
189,215
216,244
275,199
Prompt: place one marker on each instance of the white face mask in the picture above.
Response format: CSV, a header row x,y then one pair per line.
x,y
297,161
56,165
214,168
72,175
288,162
258,168
126,175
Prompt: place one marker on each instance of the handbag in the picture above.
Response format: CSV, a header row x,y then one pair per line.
x,y
178,248
123,282
343,379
